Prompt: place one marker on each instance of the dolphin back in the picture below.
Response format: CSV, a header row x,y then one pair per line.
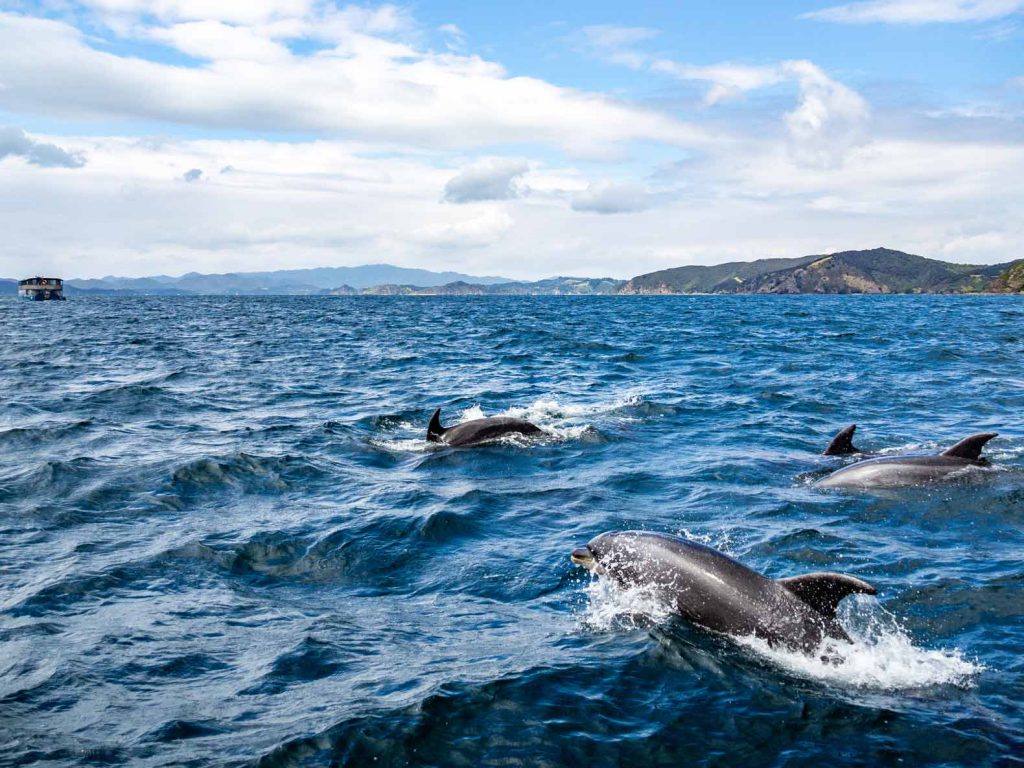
x,y
712,590
478,430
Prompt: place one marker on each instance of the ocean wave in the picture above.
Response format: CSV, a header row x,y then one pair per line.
x,y
40,433
242,471
246,503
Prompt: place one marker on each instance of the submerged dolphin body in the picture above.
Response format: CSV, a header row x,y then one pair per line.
x,y
912,469
714,591
478,430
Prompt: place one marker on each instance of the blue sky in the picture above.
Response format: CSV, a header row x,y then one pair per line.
x,y
530,139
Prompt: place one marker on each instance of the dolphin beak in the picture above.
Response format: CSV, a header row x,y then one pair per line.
x,y
583,556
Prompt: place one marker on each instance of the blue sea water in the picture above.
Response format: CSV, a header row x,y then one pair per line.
x,y
224,540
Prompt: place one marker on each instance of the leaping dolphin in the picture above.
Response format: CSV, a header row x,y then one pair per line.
x,y
714,591
478,431
911,469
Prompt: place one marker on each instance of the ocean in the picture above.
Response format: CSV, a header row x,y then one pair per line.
x,y
225,541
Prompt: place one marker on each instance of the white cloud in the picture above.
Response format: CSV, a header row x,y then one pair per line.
x,y
476,232
298,204
120,13
991,245
608,197
215,40
615,43
496,178
15,142
917,11
728,81
830,119
611,36
455,38
363,86
827,121
395,125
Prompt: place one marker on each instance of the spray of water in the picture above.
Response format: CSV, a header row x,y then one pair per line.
x,y
881,657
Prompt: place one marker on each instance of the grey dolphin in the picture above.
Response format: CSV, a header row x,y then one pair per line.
x,y
478,431
911,469
718,593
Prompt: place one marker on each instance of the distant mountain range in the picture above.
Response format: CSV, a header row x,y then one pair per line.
x,y
880,270
288,281
553,286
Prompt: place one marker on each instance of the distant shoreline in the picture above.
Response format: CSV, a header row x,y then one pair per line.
x,y
879,271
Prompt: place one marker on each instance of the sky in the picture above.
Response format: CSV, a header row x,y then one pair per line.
x,y
526,139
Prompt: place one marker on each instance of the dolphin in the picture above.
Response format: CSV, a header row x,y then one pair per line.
x,y
911,469
478,430
716,592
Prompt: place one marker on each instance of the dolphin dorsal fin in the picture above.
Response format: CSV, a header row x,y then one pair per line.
x,y
434,429
842,443
823,591
970,447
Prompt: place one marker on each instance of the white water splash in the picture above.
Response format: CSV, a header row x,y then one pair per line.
x,y
881,657
721,541
1004,452
570,421
562,422
408,445
550,409
473,412
610,608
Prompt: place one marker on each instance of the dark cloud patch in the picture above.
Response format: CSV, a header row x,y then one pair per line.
x,y
493,179
193,175
15,142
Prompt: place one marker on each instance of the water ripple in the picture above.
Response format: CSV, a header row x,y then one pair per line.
x,y
224,539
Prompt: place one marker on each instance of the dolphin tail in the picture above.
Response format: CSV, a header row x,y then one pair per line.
x,y
842,443
434,430
970,447
823,591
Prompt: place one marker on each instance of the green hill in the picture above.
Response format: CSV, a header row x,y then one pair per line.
x,y
1010,281
718,278
880,270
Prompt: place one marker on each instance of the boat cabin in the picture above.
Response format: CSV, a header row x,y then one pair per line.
x,y
41,289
